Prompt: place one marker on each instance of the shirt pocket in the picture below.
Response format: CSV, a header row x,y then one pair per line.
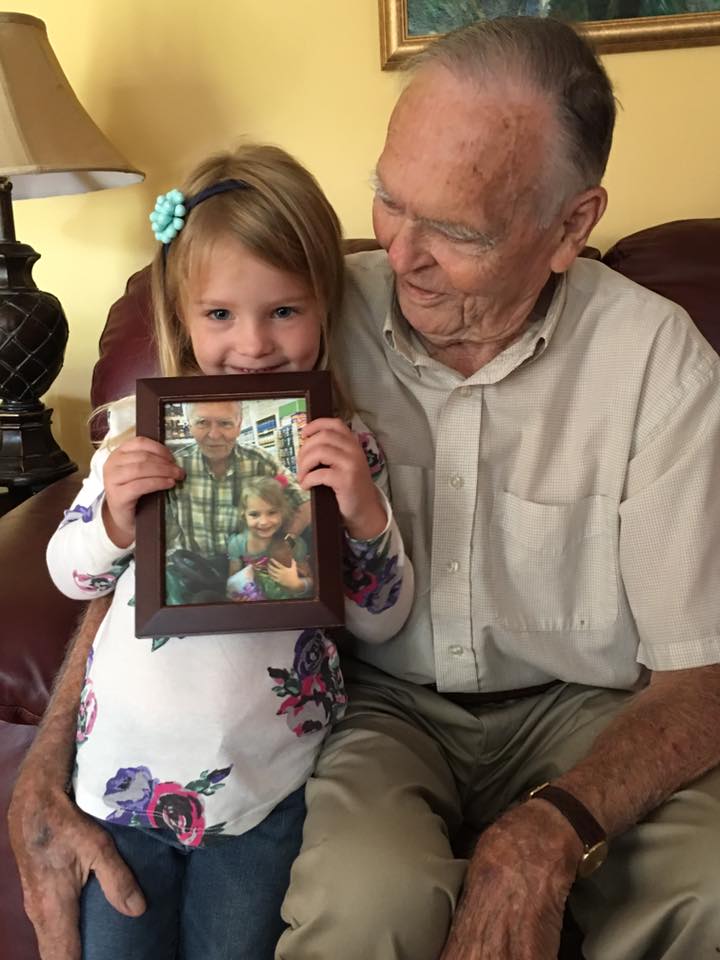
x,y
554,567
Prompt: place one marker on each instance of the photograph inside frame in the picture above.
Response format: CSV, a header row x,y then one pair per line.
x,y
248,537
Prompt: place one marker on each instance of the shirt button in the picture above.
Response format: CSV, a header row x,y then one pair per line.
x,y
464,392
456,481
453,566
456,650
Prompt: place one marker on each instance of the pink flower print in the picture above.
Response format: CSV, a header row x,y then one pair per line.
x,y
87,712
179,809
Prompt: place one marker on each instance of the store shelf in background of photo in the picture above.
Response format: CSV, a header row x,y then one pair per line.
x,y
286,447
292,419
266,430
176,426
247,436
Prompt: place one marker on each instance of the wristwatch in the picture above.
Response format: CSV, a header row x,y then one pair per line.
x,y
592,835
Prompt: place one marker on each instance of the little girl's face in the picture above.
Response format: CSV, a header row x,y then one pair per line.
x,y
263,520
245,316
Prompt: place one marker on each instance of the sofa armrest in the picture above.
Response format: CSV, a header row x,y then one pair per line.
x,y
37,620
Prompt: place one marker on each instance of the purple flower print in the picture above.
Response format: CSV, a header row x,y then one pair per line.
x,y
310,652
78,512
313,694
129,791
370,576
142,800
373,453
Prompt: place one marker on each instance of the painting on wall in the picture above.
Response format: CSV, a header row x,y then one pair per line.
x,y
614,26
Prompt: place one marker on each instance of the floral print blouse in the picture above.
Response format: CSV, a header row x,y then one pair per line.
x,y
204,735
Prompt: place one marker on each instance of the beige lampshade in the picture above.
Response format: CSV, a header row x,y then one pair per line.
x,y
48,143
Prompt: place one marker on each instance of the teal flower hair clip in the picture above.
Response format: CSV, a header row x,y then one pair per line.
x,y
168,217
171,209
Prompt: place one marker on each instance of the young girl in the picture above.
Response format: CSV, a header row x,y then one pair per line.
x,y
194,752
257,553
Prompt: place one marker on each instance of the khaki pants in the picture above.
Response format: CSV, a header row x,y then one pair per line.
x,y
376,878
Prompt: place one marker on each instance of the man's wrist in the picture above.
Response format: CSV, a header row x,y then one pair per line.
x,y
588,831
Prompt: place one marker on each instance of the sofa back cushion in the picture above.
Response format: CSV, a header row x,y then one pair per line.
x,y
681,261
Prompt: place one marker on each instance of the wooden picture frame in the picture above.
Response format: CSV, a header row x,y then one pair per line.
x,y
398,43
168,603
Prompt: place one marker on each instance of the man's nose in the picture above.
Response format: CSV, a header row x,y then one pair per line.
x,y
407,250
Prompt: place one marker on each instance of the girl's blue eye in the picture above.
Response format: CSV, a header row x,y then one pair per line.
x,y
283,313
219,314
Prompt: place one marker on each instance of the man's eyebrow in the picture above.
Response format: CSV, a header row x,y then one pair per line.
x,y
377,186
454,231
462,232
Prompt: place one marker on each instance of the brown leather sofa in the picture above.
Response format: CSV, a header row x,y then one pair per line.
x,y
681,260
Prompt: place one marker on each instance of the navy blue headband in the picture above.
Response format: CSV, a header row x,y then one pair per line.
x,y
171,209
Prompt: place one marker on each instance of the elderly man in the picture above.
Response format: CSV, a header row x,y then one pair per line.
x,y
553,436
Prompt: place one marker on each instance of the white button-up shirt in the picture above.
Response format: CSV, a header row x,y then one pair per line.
x,y
562,505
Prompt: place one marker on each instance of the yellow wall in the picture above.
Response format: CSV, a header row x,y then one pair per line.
x,y
170,82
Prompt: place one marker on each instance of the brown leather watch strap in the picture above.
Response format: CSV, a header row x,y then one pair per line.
x,y
592,835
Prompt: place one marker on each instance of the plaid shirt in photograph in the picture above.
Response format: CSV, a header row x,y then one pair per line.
x,y
202,512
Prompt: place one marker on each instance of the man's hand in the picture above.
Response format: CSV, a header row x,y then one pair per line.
x,y
516,886
56,846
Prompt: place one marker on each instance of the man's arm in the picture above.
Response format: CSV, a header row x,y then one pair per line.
x,y
55,845
301,519
525,863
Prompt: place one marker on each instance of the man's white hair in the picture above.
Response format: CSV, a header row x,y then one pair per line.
x,y
549,58
190,406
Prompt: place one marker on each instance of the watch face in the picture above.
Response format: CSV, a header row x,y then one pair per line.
x,y
593,858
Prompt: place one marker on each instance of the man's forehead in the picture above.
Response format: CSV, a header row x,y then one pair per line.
x,y
450,139
215,409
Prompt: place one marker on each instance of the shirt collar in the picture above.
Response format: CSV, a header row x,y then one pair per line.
x,y
197,454
532,343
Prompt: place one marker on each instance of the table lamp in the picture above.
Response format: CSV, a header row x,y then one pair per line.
x,y
48,146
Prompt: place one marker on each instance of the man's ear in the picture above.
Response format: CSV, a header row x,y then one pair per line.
x,y
581,215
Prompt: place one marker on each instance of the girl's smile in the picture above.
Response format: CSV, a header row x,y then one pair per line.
x,y
245,316
263,520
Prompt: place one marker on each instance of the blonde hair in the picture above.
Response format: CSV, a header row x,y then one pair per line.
x,y
283,218
271,491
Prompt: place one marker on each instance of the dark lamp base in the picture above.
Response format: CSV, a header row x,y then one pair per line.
x,y
29,456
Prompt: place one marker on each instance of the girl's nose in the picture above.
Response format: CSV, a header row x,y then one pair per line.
x,y
255,339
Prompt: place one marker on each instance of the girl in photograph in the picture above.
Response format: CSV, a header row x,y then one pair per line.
x,y
193,752
262,564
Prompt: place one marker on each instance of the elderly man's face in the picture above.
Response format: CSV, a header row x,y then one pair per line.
x,y
460,183
215,426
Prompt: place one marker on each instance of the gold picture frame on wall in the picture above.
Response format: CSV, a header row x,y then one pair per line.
x,y
408,26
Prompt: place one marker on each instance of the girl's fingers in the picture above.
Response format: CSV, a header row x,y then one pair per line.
x,y
131,492
332,424
325,452
144,444
324,476
121,476
136,466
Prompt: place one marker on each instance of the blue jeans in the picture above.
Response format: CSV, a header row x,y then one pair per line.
x,y
219,902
